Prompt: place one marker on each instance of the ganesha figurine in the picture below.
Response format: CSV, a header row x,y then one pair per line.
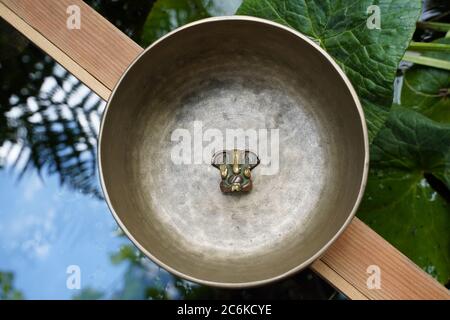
x,y
235,168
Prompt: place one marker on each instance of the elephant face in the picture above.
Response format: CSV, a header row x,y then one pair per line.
x,y
235,168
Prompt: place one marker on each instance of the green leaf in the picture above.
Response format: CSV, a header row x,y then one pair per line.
x,y
427,90
369,57
399,202
126,252
168,15
7,290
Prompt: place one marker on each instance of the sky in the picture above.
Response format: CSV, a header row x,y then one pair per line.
x,y
45,228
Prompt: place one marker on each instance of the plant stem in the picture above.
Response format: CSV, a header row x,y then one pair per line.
x,y
436,26
428,46
426,61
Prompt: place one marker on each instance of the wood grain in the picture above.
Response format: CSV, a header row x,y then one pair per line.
x,y
337,281
98,54
360,247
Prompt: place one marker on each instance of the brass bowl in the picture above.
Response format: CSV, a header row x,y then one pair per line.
x,y
228,73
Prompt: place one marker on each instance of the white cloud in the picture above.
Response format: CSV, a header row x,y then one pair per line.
x,y
30,233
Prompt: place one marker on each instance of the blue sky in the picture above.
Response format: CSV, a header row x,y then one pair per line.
x,y
44,228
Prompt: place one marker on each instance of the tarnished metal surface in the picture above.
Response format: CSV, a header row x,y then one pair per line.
x,y
233,73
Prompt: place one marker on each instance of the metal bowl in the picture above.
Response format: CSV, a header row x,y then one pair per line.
x,y
230,73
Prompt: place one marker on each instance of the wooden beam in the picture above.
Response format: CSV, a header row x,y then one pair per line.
x,y
360,247
337,281
98,54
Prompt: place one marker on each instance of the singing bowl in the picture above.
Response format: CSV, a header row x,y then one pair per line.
x,y
228,73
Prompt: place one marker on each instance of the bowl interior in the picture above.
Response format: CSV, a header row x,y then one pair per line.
x,y
202,82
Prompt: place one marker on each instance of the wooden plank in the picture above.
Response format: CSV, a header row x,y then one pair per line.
x,y
99,62
337,281
360,247
97,53
52,50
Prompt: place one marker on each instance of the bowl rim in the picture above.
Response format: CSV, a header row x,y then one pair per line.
x,y
322,250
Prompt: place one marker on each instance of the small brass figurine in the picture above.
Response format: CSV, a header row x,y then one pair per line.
x,y
235,168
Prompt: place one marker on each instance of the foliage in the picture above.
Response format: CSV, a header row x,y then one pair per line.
x,y
144,280
427,90
408,193
48,119
38,120
128,16
167,15
7,291
400,202
368,57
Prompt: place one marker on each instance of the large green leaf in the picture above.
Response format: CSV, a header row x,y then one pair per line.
x,y
369,57
167,15
427,90
399,202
